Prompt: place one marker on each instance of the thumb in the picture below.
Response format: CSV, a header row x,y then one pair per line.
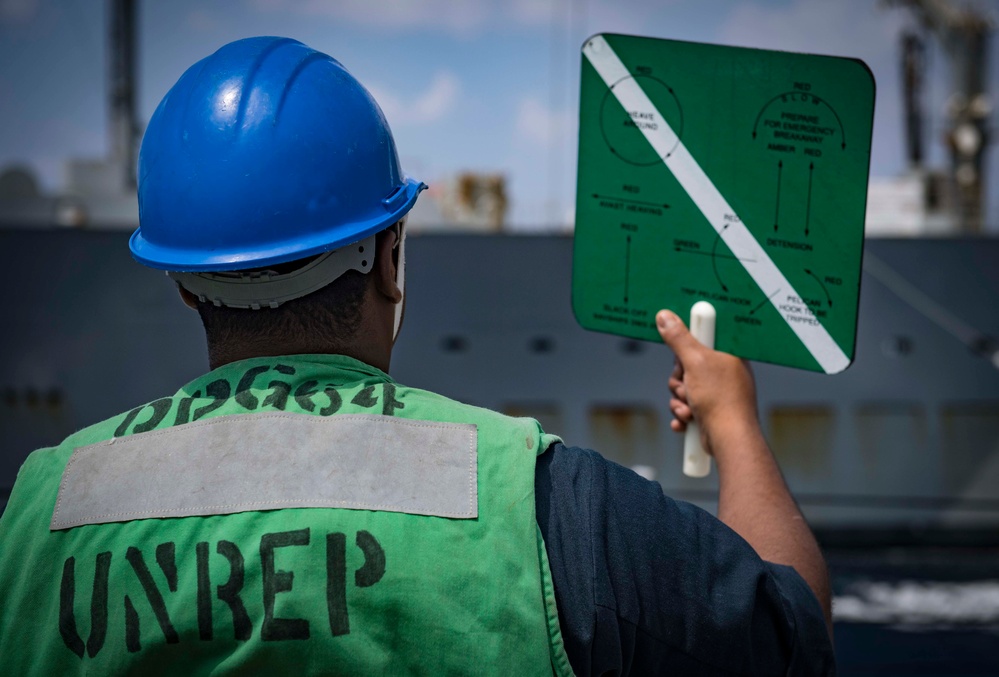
x,y
675,334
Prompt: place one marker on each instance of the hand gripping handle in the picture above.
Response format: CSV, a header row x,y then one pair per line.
x,y
696,462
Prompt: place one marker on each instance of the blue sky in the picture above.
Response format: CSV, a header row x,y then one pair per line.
x,y
486,85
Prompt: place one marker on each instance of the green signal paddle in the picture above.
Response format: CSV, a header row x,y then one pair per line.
x,y
732,176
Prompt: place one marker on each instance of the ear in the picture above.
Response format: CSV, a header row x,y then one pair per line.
x,y
386,260
189,299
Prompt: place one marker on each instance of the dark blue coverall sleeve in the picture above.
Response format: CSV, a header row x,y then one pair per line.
x,y
648,585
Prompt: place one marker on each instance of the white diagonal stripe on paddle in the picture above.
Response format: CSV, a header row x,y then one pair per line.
x,y
713,205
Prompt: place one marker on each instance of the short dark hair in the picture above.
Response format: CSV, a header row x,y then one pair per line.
x,y
331,315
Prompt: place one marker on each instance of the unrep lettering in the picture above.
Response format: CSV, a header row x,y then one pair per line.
x,y
273,582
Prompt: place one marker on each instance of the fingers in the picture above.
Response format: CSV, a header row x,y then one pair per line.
x,y
674,333
676,381
682,413
678,389
678,405
681,410
677,369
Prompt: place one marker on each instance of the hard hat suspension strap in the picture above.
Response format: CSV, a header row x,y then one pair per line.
x,y
269,289
400,278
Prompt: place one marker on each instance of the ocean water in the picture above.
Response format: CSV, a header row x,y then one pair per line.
x,y
916,612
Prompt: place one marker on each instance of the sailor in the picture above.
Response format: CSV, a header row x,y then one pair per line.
x,y
295,510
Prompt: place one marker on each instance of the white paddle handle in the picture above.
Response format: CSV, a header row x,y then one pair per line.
x,y
696,462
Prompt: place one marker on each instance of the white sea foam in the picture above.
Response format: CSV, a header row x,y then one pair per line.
x,y
919,603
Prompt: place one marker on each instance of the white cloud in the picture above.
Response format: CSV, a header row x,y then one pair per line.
x,y
454,16
538,124
532,12
541,165
438,100
629,18
464,18
433,104
855,28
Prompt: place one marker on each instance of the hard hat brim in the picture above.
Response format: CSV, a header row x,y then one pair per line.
x,y
243,258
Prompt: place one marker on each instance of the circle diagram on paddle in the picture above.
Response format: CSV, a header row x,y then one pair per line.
x,y
617,124
729,175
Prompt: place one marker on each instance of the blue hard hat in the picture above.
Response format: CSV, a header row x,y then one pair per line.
x,y
264,152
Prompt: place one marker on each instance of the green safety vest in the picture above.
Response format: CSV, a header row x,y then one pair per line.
x,y
297,590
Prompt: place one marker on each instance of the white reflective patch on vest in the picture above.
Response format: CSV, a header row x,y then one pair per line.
x,y
269,461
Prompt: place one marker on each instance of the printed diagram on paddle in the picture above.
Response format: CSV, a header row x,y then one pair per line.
x,y
735,176
615,121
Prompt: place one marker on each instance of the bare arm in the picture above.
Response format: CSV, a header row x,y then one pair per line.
x,y
717,390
